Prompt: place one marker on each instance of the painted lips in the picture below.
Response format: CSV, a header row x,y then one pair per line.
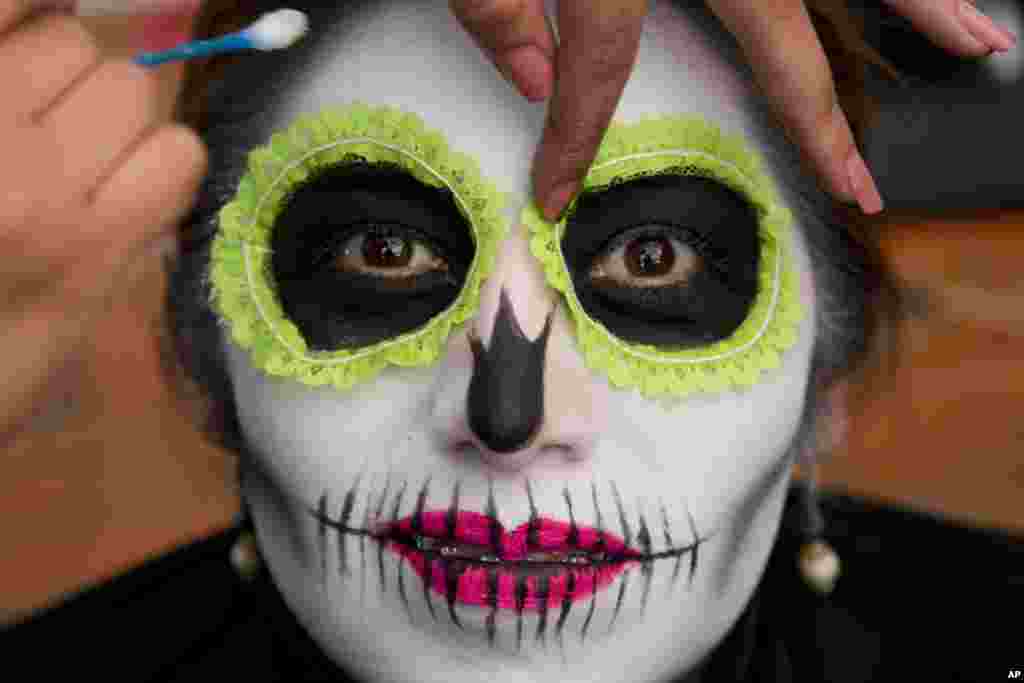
x,y
539,565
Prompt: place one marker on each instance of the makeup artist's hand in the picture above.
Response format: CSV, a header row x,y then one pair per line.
x,y
89,182
599,41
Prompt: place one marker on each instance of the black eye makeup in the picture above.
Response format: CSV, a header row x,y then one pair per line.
x,y
669,260
364,252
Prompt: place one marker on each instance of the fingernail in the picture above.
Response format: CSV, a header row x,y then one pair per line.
x,y
530,72
862,184
558,200
983,29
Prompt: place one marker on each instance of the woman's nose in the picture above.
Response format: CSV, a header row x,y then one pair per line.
x,y
528,399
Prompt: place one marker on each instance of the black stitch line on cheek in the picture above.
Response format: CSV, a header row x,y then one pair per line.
x,y
669,545
628,539
570,588
531,530
590,611
401,560
428,577
453,510
626,532
573,540
492,589
521,589
452,571
322,536
492,513
383,497
346,512
618,601
421,499
362,546
401,587
417,525
381,542
398,503
598,547
574,532
599,520
380,548
543,591
696,545
643,537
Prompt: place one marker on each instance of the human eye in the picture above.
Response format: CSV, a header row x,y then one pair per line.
x,y
666,260
644,257
365,253
675,261
356,239
391,252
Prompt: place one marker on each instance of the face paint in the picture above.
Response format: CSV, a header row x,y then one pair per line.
x,y
423,550
310,154
313,151
506,409
763,325
545,563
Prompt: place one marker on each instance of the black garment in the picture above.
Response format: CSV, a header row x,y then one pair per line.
x,y
920,599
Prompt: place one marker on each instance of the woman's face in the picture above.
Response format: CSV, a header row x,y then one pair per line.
x,y
694,486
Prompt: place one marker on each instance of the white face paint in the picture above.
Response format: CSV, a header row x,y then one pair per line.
x,y
713,467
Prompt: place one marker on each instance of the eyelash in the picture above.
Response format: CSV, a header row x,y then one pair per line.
x,y
329,254
623,239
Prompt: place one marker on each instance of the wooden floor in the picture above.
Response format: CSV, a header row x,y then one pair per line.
x,y
125,476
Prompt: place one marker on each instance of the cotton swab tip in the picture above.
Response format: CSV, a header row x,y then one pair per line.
x,y
278,30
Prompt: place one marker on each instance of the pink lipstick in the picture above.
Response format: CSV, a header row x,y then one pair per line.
x,y
469,558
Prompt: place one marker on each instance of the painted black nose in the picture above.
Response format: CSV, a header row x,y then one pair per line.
x,y
506,393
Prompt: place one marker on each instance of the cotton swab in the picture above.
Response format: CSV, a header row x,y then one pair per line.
x,y
273,31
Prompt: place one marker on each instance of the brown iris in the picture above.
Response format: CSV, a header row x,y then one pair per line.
x,y
390,255
387,251
649,257
647,261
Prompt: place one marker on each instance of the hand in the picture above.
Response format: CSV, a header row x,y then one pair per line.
x,y
599,42
90,182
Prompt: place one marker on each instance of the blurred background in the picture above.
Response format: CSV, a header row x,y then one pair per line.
x,y
113,472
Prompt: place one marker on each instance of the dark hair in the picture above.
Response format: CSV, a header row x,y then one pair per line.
x,y
226,101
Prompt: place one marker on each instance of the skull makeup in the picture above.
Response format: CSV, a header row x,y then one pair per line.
x,y
479,445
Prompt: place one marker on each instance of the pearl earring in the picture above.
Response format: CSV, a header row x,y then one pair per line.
x,y
819,563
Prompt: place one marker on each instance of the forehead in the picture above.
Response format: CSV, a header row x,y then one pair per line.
x,y
415,56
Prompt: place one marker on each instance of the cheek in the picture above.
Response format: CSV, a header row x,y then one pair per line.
x,y
717,450
306,437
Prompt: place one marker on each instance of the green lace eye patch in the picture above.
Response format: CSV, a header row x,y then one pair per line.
x,y
318,264
726,314
363,253
312,331
669,260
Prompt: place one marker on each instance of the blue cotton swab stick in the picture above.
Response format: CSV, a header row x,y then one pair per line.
x,y
272,31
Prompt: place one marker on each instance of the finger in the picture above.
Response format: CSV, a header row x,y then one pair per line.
x,y
514,35
13,12
955,26
599,43
97,121
153,189
791,68
138,209
42,60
